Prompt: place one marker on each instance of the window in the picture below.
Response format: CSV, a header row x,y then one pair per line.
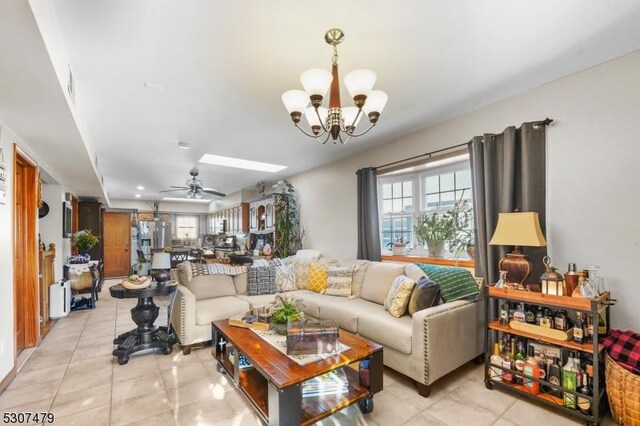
x,y
432,188
187,226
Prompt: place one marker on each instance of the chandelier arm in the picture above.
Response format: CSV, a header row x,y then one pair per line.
x,y
311,135
352,125
324,128
325,140
363,133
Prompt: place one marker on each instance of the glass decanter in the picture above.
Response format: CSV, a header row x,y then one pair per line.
x,y
502,281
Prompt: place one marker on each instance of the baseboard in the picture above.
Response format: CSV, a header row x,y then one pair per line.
x,y
7,379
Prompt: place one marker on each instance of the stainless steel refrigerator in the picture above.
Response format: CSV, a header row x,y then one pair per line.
x,y
154,235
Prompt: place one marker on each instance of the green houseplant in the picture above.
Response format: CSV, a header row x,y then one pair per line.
x,y
287,240
84,241
285,309
437,229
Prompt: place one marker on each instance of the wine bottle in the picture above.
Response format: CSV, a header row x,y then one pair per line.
x,y
495,373
531,372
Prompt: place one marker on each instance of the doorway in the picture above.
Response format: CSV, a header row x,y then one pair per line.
x,y
25,250
117,244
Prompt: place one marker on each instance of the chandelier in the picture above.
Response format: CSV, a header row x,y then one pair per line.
x,y
335,122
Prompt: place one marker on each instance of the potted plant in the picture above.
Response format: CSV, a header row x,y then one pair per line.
x,y
287,220
142,266
285,309
84,241
436,229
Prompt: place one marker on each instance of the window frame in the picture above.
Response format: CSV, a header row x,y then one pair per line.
x,y
178,227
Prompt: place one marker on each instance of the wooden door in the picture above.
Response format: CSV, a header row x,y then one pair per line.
x,y
25,262
117,242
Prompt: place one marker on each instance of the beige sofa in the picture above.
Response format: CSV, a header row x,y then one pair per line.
x,y
425,347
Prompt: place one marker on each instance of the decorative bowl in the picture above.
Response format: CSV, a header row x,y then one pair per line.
x,y
136,283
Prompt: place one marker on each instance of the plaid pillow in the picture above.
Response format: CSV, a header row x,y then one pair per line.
x,y
261,280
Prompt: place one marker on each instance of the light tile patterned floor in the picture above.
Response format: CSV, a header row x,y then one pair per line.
x,y
73,375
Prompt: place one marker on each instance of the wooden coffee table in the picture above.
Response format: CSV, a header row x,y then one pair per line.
x,y
274,383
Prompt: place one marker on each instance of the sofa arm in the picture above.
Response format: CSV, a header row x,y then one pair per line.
x,y
183,315
445,337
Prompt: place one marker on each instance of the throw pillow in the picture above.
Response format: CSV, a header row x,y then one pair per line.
x,y
199,269
455,283
425,295
317,278
398,296
261,280
285,278
339,279
301,266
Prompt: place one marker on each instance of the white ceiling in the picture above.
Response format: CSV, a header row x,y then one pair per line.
x,y
222,67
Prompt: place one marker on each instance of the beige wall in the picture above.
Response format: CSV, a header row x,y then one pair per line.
x,y
592,174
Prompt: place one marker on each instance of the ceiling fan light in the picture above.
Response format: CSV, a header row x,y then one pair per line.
x,y
360,82
316,82
312,117
376,102
295,101
197,194
190,194
348,115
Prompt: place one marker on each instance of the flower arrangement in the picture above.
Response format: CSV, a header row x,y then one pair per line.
x,y
84,240
450,227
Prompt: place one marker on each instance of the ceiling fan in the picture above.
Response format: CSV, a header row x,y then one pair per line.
x,y
194,187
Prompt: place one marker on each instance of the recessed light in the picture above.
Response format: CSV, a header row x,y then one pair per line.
x,y
140,187
138,195
239,163
184,145
187,200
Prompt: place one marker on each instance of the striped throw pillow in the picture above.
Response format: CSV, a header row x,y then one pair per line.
x,y
339,279
455,283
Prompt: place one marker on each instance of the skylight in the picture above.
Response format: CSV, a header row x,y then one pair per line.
x,y
187,200
239,163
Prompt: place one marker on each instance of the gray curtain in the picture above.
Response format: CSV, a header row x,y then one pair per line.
x,y
368,226
508,172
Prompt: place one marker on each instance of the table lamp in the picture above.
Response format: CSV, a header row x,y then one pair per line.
x,y
161,263
517,229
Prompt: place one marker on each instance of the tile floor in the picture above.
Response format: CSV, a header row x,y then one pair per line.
x,y
73,375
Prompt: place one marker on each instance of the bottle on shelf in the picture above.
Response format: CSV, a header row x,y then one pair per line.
x,y
539,315
602,325
502,281
507,376
520,314
560,320
589,331
583,402
518,362
530,315
571,278
504,313
547,319
584,289
579,329
554,376
531,372
570,381
495,374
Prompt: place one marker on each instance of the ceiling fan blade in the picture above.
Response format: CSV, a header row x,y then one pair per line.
x,y
180,187
214,192
173,190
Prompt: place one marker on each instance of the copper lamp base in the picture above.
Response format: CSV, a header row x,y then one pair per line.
x,y
518,267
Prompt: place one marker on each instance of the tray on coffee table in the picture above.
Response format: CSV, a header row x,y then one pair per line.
x,y
273,382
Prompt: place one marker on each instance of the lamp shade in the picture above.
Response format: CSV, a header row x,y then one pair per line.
x,y
161,260
349,114
316,81
518,229
295,101
376,101
360,82
312,117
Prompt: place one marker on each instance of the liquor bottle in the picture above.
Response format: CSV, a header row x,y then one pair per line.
x,y
579,329
560,320
531,371
539,315
504,314
554,377
507,376
547,319
584,404
602,325
513,349
570,381
571,278
530,316
495,373
519,363
589,329
520,314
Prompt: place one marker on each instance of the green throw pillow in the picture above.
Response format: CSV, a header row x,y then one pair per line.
x,y
455,283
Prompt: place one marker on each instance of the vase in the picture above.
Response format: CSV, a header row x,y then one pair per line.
x,y
436,248
280,328
86,256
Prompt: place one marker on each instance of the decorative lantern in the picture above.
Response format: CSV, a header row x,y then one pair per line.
x,y
552,282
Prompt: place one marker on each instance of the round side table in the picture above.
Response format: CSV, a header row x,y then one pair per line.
x,y
144,314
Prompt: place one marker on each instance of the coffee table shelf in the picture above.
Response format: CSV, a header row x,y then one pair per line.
x,y
273,384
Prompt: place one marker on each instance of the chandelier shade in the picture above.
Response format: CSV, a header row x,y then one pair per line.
x,y
337,122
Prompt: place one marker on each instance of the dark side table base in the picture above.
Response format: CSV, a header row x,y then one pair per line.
x,y
146,335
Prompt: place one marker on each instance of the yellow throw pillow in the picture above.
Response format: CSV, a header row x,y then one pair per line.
x,y
398,296
317,278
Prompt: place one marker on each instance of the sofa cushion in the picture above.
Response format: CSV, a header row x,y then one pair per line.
x,y
285,278
455,283
219,308
425,294
345,312
378,279
358,275
414,272
301,266
258,301
317,278
399,294
387,330
184,272
240,282
313,255
311,301
261,280
339,280
208,286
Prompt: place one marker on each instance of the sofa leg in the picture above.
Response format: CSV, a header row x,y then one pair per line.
x,y
423,390
186,349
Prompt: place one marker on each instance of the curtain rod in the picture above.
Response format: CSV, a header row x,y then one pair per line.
x,y
544,122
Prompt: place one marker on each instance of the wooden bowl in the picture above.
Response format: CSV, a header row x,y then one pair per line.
x,y
143,282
